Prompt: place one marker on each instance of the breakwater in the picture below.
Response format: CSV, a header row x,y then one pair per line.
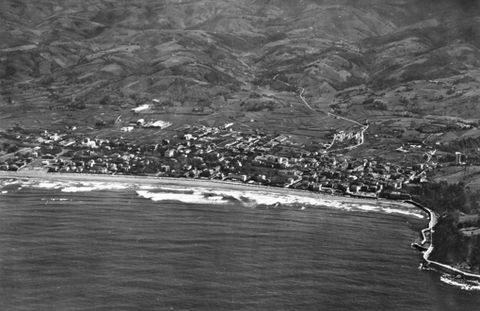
x,y
427,238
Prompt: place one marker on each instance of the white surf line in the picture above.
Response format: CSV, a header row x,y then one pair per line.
x,y
90,180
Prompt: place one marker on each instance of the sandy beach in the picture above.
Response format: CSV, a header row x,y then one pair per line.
x,y
196,183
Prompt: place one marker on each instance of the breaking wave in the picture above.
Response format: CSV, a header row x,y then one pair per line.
x,y
202,195
270,199
95,187
193,198
69,186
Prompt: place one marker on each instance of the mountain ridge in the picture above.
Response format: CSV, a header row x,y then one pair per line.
x,y
82,52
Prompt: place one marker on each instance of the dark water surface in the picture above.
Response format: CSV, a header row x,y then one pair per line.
x,y
113,250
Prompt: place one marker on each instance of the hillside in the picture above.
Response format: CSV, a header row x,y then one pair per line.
x,y
66,63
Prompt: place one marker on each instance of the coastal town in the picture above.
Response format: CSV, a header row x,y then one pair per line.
x,y
230,155
227,154
222,153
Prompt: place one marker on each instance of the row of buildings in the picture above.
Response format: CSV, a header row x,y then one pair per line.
x,y
219,153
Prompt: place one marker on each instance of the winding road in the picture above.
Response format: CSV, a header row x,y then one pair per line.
x,y
361,140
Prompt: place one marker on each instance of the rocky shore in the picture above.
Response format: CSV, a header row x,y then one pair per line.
x,y
427,239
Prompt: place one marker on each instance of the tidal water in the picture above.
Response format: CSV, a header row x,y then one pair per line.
x,y
116,250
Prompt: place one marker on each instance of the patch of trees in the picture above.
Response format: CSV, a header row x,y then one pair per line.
x,y
443,197
429,129
448,241
50,149
258,106
9,71
276,37
451,246
461,144
9,147
374,104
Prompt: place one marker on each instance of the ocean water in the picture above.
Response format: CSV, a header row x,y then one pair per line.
x,y
115,247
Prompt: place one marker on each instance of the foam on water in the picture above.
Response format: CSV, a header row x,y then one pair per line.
x,y
263,198
388,210
203,195
9,182
460,283
77,186
194,198
48,185
87,187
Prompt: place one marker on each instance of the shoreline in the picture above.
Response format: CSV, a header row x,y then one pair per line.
x,y
438,266
188,182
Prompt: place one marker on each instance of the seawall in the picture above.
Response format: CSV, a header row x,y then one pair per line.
x,y
433,220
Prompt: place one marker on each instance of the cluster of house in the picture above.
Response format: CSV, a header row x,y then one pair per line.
x,y
219,153
349,135
146,124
